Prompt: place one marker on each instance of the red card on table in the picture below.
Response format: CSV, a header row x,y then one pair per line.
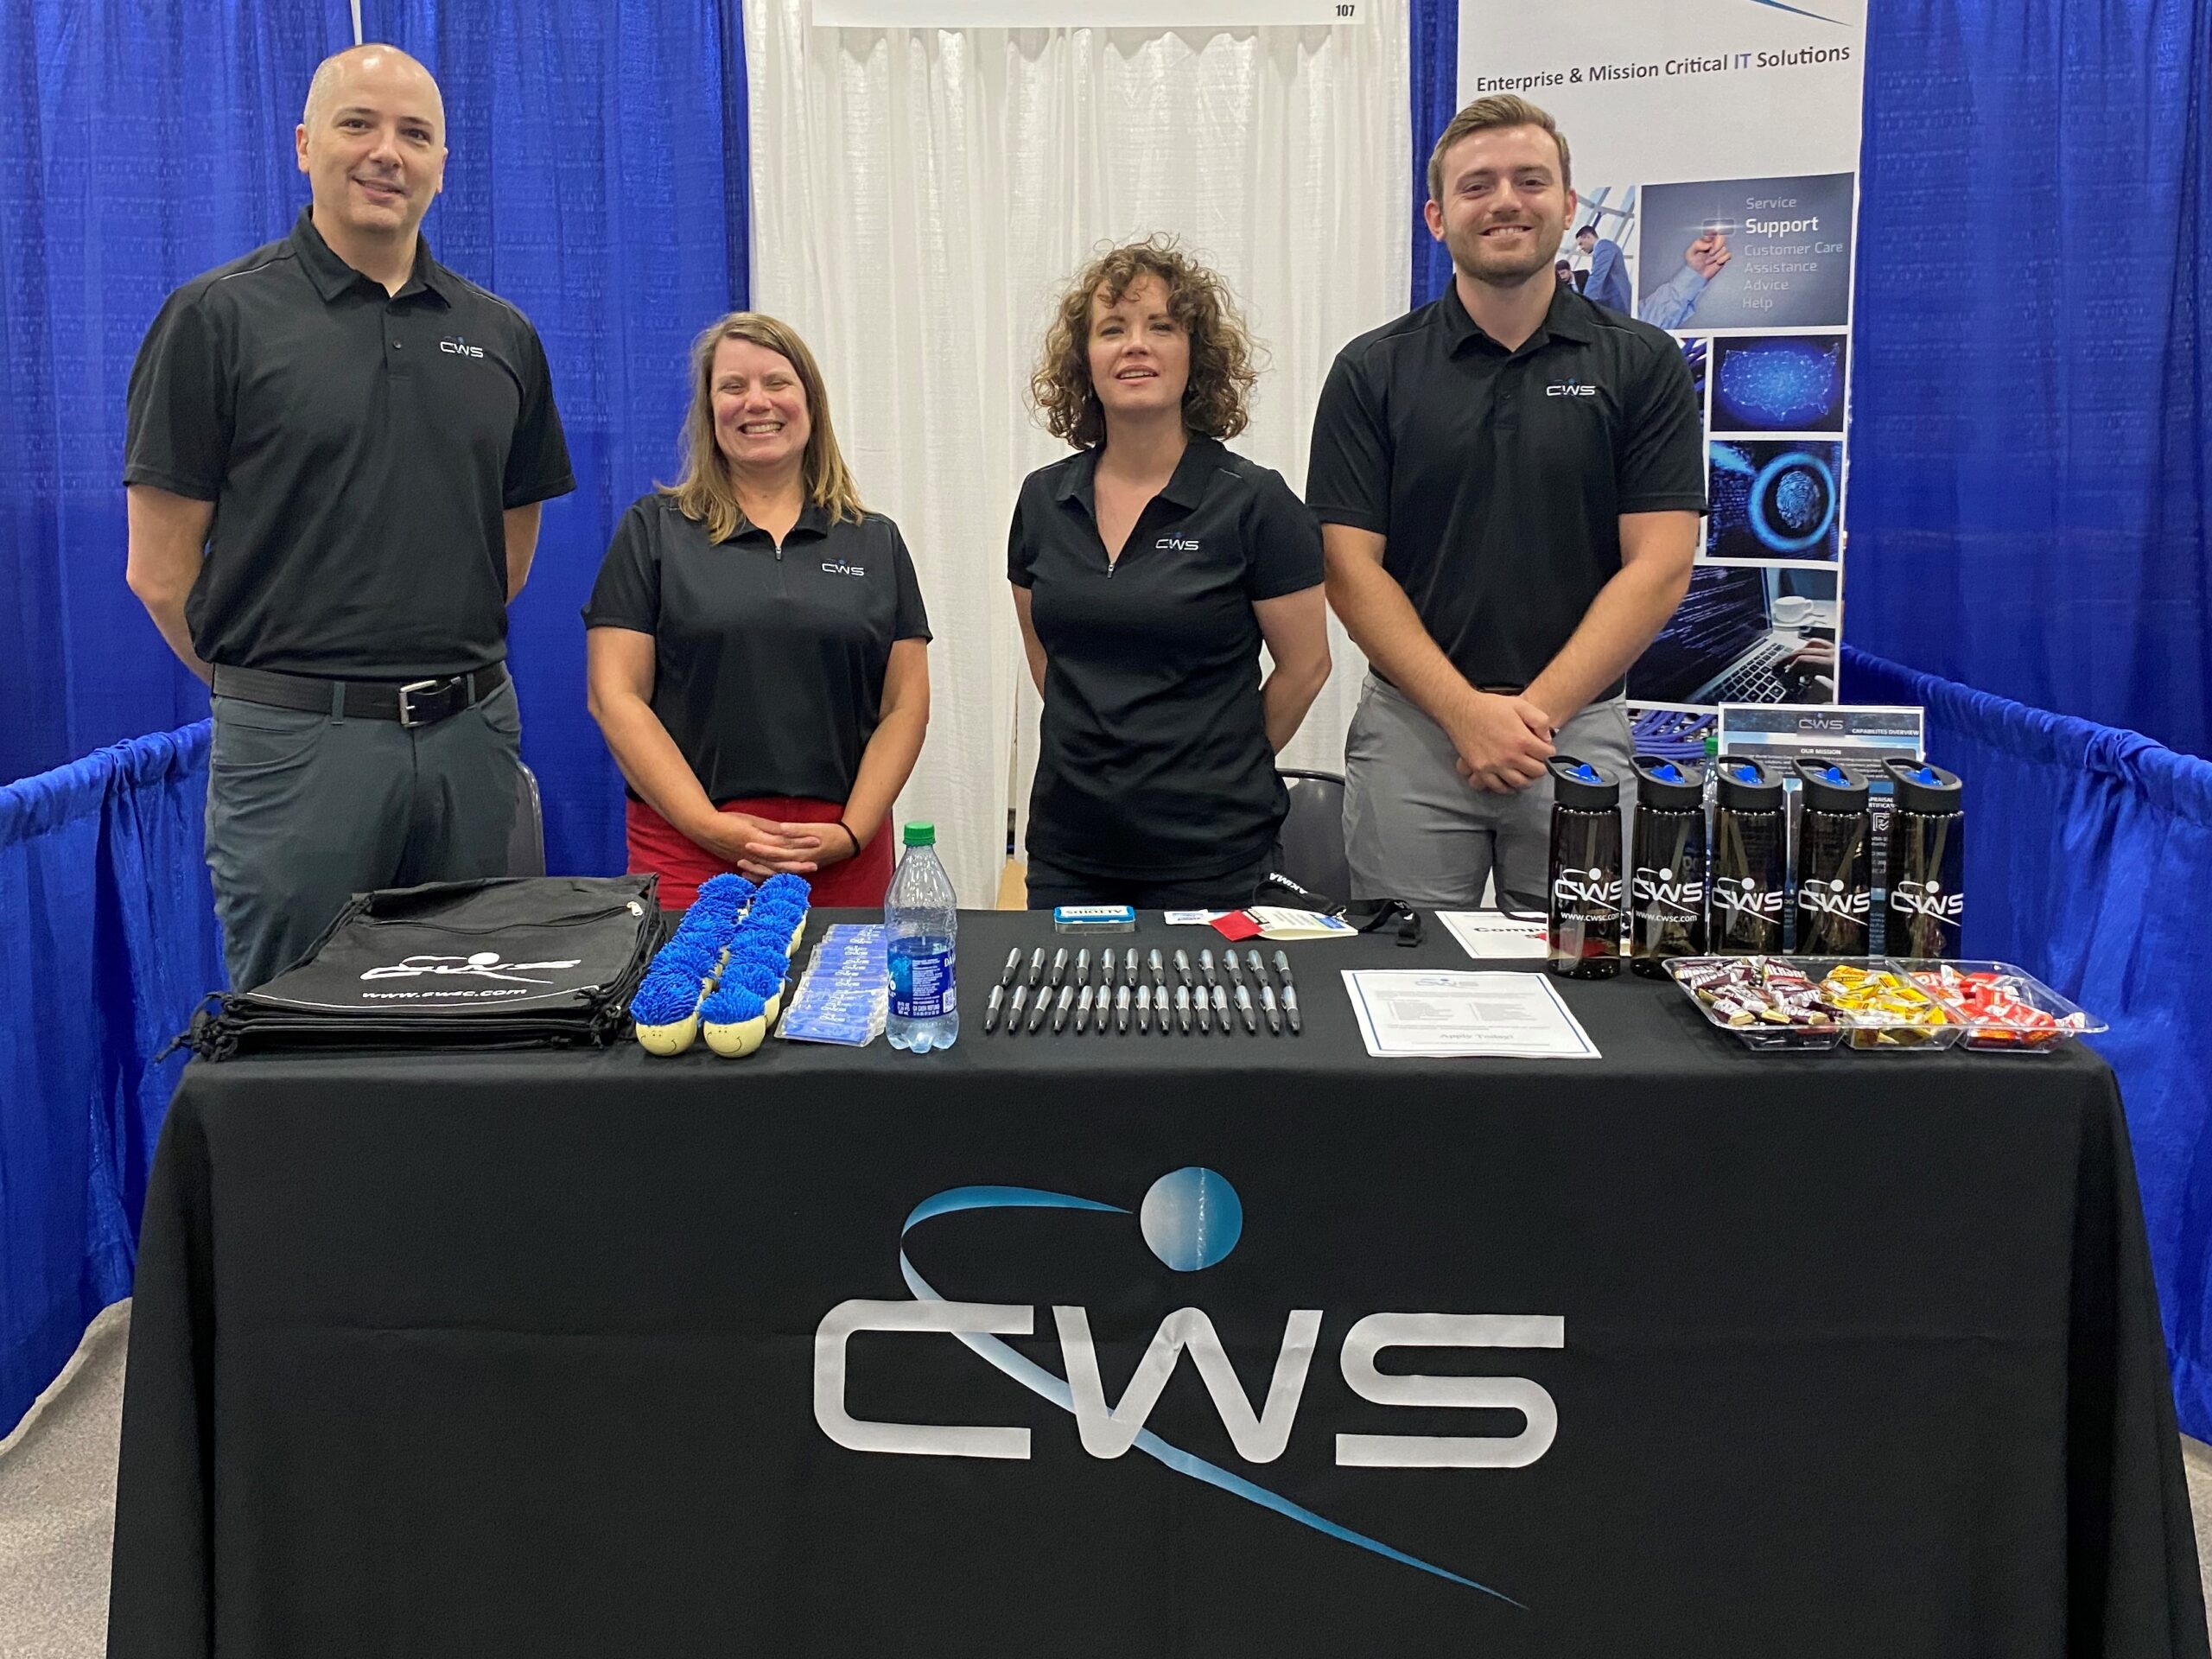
x,y
1235,925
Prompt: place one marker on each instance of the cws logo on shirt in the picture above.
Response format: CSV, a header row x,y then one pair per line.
x,y
1570,389
1177,544
459,347
839,568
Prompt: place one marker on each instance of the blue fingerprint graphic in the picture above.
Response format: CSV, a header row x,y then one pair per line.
x,y
1797,501
1780,385
1767,500
1184,1186
1793,502
1191,1218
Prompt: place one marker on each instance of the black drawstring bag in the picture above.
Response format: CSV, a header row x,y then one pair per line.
x,y
509,963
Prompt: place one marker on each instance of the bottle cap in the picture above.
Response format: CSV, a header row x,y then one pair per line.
x,y
1663,783
920,835
1922,788
1577,783
1829,788
1747,786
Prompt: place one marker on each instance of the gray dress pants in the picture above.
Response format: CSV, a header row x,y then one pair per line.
x,y
305,810
1415,830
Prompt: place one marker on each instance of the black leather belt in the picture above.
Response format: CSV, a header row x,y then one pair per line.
x,y
417,702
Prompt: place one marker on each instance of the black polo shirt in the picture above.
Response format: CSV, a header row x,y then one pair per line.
x,y
358,446
1152,758
1499,478
768,662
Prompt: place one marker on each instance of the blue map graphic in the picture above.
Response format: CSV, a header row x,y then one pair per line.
x,y
1780,385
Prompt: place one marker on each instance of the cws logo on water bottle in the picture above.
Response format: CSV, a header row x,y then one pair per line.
x,y
1834,897
1587,889
1928,898
1743,896
1664,890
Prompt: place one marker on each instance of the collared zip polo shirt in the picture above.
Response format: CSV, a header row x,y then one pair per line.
x,y
359,447
1498,478
1153,756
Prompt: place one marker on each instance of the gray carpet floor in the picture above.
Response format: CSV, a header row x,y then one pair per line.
x,y
57,1505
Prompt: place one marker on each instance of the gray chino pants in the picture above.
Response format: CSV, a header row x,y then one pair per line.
x,y
306,809
1415,830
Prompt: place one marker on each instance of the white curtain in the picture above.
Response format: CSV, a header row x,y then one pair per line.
x,y
919,197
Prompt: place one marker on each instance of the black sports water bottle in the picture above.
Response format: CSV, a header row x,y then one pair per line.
x,y
1925,869
1747,860
1835,861
1667,873
1585,871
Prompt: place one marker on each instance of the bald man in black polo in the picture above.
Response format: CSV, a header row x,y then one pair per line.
x,y
337,450
1509,482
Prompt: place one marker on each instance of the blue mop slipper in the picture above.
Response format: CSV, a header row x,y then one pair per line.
x,y
736,1021
666,1011
764,976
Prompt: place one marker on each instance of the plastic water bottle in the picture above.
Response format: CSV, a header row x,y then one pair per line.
x,y
921,933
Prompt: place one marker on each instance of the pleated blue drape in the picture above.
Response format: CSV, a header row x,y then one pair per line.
x,y
2089,862
110,940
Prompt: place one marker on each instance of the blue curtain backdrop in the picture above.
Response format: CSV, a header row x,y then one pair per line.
x,y
146,141
1434,47
110,940
2088,860
2030,505
598,180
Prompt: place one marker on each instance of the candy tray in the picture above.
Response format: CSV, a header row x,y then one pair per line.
x,y
1987,1036
1865,1033
1767,1038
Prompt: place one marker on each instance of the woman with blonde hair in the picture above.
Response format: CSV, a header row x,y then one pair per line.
x,y
758,651
1149,568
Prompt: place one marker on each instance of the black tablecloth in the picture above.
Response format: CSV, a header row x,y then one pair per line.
x,y
1856,1354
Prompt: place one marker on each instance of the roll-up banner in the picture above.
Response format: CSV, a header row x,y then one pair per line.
x,y
1714,148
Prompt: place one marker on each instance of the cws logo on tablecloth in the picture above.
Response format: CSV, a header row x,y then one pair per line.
x,y
1191,1218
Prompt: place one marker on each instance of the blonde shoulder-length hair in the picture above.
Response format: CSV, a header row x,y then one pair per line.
x,y
703,492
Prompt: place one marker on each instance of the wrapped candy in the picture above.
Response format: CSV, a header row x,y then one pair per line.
x,y
1998,1010
1747,991
1883,1008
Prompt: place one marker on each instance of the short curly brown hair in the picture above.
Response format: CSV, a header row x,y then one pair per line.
x,y
1217,402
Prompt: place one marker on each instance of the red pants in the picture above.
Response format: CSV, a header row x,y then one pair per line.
x,y
658,846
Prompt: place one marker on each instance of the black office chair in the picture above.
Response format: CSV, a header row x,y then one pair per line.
x,y
1311,849
526,837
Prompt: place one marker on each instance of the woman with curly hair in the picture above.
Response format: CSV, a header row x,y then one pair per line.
x,y
1149,568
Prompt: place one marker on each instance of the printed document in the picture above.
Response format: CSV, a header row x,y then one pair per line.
x,y
1491,935
1407,1013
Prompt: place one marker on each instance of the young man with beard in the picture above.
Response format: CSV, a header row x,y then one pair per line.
x,y
1508,483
